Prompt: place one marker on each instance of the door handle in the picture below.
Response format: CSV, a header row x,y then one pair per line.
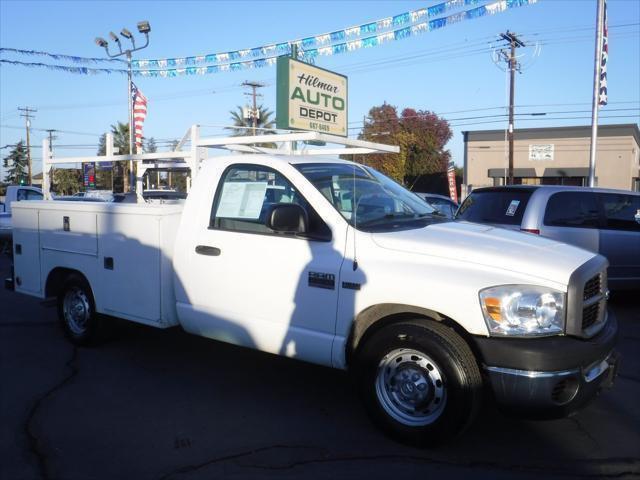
x,y
206,250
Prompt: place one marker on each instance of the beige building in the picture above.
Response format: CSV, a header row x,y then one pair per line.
x,y
554,156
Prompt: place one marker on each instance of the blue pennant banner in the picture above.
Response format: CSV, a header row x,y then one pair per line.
x,y
372,34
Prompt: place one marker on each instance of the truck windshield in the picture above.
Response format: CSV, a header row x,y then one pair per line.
x,y
367,199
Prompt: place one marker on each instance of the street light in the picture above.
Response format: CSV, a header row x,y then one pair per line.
x,y
144,28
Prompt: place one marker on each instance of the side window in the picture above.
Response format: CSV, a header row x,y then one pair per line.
x,y
21,195
620,211
245,196
572,209
31,195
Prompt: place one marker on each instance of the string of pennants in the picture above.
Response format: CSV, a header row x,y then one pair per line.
x,y
372,34
59,56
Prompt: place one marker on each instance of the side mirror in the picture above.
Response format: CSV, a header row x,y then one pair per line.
x,y
287,218
637,216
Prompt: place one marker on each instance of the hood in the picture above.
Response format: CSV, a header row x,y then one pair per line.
x,y
489,246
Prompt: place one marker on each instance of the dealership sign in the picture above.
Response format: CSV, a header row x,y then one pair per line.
x,y
310,98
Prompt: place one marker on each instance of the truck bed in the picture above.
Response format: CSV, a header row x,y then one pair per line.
x,y
123,250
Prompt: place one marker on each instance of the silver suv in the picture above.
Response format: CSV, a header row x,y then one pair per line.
x,y
598,219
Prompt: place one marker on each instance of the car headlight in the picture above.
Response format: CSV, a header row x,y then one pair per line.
x,y
521,310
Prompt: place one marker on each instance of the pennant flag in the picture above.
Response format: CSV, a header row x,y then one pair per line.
x,y
602,93
139,114
451,180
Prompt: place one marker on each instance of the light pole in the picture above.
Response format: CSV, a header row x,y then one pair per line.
x,y
144,28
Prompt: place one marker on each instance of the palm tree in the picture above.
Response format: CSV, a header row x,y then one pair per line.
x,y
264,121
120,132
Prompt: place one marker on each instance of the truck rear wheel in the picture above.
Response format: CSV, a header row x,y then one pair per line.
x,y
419,382
77,312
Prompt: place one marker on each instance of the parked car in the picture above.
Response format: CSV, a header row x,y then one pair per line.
x,y
442,204
18,193
15,193
597,219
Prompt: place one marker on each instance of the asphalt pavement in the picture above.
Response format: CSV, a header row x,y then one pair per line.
x,y
162,404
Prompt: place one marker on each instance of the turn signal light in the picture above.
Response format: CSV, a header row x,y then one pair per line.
x,y
531,230
493,308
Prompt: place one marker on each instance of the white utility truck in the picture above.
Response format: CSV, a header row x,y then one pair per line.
x,y
296,253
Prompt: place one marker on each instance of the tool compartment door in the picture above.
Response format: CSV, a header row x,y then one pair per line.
x,y
26,251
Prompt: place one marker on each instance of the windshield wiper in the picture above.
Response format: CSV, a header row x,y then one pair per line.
x,y
393,216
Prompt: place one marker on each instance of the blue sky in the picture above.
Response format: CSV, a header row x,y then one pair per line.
x,y
445,71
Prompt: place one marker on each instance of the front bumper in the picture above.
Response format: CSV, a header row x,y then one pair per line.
x,y
551,376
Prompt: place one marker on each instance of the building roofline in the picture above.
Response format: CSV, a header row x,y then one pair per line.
x,y
523,133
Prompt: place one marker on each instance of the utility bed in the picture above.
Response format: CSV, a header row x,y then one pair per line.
x,y
115,246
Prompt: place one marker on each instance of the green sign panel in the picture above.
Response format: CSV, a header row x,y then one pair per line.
x,y
310,98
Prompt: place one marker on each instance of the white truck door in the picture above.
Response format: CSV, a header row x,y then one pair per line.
x,y
254,287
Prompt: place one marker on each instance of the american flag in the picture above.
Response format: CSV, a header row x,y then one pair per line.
x,y
602,93
139,114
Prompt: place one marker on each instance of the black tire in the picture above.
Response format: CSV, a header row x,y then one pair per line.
x,y
77,312
419,382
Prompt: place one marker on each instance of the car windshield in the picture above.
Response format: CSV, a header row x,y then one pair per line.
x,y
367,199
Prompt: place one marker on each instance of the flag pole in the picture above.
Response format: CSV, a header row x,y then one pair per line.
x,y
596,93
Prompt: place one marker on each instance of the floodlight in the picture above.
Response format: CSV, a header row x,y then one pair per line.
x,y
101,42
114,37
126,33
144,27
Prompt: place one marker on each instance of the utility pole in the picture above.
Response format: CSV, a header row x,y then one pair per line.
x,y
51,139
27,123
254,111
513,65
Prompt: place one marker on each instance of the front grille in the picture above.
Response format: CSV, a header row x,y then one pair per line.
x,y
592,287
590,315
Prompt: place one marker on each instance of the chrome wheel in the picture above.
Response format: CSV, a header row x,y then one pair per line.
x,y
410,387
76,310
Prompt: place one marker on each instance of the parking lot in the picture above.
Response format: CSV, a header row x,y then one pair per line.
x,y
153,404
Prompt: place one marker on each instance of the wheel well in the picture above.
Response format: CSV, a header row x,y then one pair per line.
x,y
56,278
378,317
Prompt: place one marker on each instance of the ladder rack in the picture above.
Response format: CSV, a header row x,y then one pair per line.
x,y
287,143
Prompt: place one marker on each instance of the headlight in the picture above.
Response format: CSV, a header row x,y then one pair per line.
x,y
522,310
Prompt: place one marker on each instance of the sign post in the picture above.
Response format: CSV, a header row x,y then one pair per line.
x,y
311,98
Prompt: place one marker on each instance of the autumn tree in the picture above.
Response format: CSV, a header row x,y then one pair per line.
x,y
430,134
421,136
383,126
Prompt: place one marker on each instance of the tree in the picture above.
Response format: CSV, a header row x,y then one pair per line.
x,y
120,132
16,164
421,136
264,120
151,146
430,133
383,126
67,180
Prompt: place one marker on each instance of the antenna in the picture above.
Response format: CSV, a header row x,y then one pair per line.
x,y
354,212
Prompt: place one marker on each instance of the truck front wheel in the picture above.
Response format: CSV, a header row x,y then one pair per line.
x,y
77,312
419,382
